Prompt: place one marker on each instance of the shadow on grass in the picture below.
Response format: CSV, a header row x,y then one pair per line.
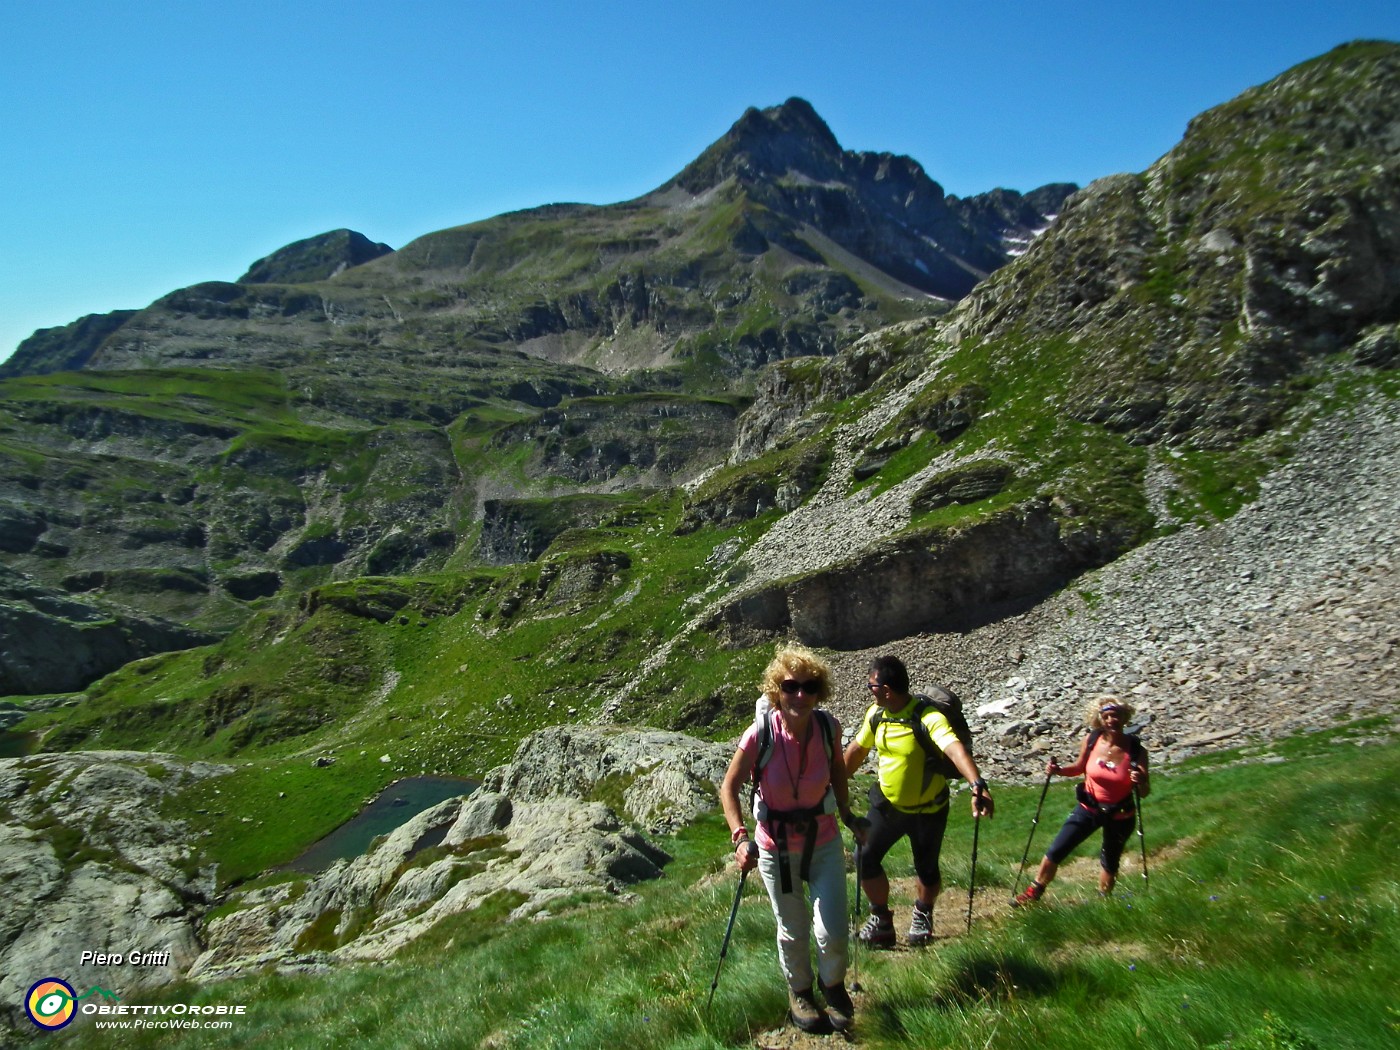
x,y
1002,979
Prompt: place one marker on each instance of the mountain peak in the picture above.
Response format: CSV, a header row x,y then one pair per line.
x,y
767,143
315,258
794,119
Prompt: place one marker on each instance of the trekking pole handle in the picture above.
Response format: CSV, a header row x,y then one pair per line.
x,y
750,855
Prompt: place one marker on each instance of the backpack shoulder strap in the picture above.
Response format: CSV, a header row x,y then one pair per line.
x,y
828,727
1137,752
765,738
922,706
765,744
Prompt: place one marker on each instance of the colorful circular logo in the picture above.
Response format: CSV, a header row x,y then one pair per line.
x,y
50,1003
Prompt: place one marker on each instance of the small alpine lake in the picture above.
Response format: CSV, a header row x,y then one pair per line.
x,y
396,804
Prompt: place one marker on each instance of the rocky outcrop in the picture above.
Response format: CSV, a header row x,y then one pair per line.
x,y
88,863
1184,298
1282,619
563,818
945,580
611,444
55,642
63,348
658,779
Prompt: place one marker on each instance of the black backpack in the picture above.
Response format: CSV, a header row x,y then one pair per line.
x,y
946,703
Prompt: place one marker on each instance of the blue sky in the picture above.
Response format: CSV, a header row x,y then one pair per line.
x,y
151,144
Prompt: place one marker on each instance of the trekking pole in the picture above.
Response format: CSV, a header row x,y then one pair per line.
x,y
855,923
1142,842
1036,820
972,878
728,930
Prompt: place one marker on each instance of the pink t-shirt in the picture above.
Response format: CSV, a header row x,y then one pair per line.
x,y
787,762
1107,784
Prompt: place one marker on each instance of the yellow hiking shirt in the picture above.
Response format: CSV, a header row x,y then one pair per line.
x,y
900,759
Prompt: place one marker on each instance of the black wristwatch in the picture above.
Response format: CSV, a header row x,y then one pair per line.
x,y
980,785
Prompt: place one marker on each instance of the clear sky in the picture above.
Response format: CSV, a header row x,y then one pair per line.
x,y
151,144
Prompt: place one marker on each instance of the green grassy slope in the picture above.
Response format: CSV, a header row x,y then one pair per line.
x,y
1271,919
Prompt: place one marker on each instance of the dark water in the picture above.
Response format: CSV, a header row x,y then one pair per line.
x,y
17,745
394,806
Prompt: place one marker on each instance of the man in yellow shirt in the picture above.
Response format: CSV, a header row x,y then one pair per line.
x,y
910,796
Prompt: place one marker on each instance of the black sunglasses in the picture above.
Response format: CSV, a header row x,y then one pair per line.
x,y
792,687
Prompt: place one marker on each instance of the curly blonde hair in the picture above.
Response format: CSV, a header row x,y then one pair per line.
x,y
799,662
1093,713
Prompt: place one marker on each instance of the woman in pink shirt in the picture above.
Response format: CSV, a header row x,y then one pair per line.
x,y
1114,768
800,789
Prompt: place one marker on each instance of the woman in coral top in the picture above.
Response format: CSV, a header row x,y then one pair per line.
x,y
1114,768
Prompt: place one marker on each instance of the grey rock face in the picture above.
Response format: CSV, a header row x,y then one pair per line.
x,y
88,864
55,642
660,776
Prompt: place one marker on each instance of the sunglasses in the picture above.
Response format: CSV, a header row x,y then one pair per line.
x,y
1111,711
792,687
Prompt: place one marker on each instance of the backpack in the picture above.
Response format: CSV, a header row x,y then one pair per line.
x,y
946,703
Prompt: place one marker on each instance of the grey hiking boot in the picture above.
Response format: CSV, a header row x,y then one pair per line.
x,y
878,931
920,927
840,1011
802,1006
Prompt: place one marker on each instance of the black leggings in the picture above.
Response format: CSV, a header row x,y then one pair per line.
x,y
1082,823
888,825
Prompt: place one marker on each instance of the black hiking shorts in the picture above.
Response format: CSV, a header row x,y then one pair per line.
x,y
1082,823
888,825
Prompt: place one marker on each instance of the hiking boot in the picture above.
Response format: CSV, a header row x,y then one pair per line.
x,y
878,931
802,1007
1030,895
840,1011
920,927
